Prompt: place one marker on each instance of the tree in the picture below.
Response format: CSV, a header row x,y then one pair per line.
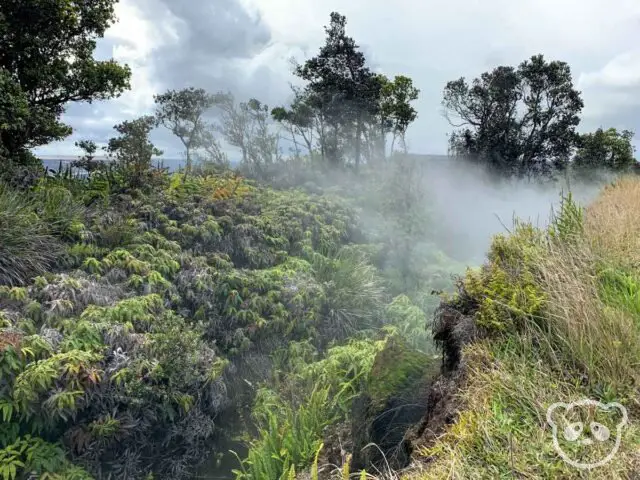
x,y
607,149
519,120
341,88
300,120
247,127
396,111
87,161
46,58
14,110
132,149
213,158
182,112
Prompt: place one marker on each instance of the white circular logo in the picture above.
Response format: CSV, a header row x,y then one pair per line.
x,y
574,431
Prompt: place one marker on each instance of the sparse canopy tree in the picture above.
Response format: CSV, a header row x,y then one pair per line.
x,y
133,150
46,61
605,149
519,120
247,126
342,88
213,156
396,111
87,161
300,121
182,112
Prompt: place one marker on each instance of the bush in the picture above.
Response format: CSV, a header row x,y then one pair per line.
x,y
354,293
27,248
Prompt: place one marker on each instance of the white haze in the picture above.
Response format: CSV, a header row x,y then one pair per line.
x,y
472,206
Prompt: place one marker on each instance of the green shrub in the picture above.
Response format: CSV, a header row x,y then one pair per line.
x,y
354,293
57,207
289,437
27,247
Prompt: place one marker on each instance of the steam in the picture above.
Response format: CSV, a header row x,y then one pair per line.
x,y
462,204
472,205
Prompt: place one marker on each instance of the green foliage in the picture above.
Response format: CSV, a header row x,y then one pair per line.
x,y
289,438
60,37
354,294
27,247
568,224
411,322
14,111
60,210
87,161
505,289
620,289
398,368
533,112
345,111
344,369
174,289
246,126
181,112
565,313
29,456
605,149
132,150
396,111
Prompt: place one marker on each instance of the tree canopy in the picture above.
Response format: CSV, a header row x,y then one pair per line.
x,y
605,149
346,110
182,112
46,61
520,120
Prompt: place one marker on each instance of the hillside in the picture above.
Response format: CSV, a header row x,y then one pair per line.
x,y
165,327
144,330
553,316
302,297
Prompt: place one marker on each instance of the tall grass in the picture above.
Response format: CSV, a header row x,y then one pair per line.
x,y
354,292
27,248
583,342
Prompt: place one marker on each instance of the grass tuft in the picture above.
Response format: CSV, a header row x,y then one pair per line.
x,y
27,249
560,316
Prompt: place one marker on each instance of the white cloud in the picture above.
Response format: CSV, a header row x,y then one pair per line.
x,y
623,71
432,42
135,38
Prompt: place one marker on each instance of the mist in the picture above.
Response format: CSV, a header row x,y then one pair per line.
x,y
472,205
459,205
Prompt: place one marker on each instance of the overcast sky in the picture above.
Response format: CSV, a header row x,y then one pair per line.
x,y
245,46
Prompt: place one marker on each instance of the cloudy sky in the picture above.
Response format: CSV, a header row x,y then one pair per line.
x,y
245,46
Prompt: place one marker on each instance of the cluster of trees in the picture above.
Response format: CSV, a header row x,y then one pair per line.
x,y
521,120
345,114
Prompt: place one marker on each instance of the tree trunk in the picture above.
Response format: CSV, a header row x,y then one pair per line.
x,y
358,135
187,168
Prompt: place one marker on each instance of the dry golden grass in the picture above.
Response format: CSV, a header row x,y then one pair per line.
x,y
601,341
586,346
612,221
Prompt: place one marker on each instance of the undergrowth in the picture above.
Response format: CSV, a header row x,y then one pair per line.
x,y
558,321
133,319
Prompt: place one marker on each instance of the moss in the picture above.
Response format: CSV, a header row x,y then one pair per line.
x,y
397,369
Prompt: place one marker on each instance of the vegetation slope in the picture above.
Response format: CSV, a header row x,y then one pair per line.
x,y
551,317
151,321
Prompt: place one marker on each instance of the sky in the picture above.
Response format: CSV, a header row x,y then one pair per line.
x,y
246,46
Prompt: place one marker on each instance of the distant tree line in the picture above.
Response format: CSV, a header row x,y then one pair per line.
x,y
518,120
